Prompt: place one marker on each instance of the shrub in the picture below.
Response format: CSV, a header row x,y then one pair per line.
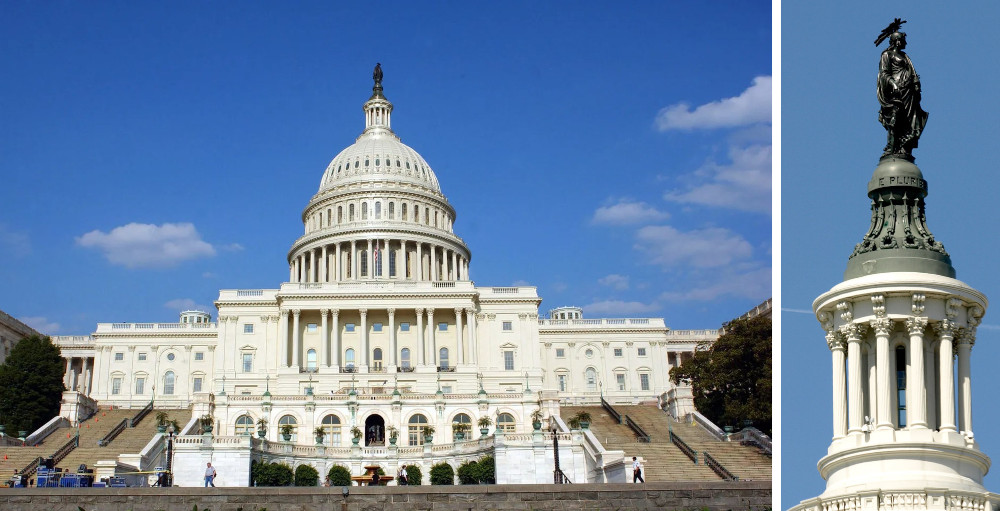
x,y
273,474
467,473
306,475
478,472
442,474
414,475
339,476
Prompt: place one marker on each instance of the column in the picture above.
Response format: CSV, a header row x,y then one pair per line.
x,y
454,265
420,330
932,417
966,339
370,261
311,275
296,338
872,375
283,338
354,260
836,343
337,349
916,386
337,264
419,273
387,259
470,317
434,269
291,272
322,268
855,417
883,378
67,377
324,336
433,339
393,349
364,335
946,331
459,334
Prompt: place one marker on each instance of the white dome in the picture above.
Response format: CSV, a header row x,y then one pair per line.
x,y
378,155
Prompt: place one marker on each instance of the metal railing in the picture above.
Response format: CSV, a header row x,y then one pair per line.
x,y
446,369
115,431
141,415
561,478
611,410
67,448
640,434
718,468
684,447
404,369
754,436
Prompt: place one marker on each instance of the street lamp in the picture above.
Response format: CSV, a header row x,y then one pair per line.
x,y
169,480
557,473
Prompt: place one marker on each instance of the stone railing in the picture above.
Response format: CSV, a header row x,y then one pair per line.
x,y
605,322
754,436
377,285
41,433
708,426
148,327
72,341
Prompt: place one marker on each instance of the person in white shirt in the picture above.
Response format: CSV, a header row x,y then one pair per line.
x,y
210,476
637,471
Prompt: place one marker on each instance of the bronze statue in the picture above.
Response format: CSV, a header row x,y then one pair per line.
x,y
899,94
377,74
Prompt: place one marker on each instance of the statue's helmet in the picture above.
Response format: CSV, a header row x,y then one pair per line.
x,y
896,37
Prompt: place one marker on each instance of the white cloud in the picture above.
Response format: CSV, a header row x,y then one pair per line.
x,y
14,243
626,211
42,324
619,282
147,245
185,304
743,184
752,106
703,248
620,308
520,283
754,284
232,247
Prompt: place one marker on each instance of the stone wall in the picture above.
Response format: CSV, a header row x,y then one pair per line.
x,y
720,496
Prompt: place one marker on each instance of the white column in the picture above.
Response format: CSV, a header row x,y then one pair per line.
x,y
324,336
871,372
291,271
836,343
354,260
929,384
296,339
965,341
337,349
459,336
364,333
370,261
283,339
883,368
322,267
311,275
433,339
337,263
946,331
420,331
916,387
393,349
419,273
454,265
473,331
434,269
386,259
853,332
68,376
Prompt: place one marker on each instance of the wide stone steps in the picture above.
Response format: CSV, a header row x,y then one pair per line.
x,y
129,441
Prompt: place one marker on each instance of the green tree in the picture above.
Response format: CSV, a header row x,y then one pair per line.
x,y
339,476
467,473
273,474
413,475
477,472
731,379
442,474
306,475
31,384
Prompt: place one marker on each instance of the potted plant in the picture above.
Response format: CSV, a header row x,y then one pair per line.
x,y
286,431
536,419
207,423
484,424
582,419
459,429
428,434
319,435
161,421
355,435
393,434
261,427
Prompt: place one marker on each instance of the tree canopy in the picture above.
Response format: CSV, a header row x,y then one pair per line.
x,y
31,384
731,379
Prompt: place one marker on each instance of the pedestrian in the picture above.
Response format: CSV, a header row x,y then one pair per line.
x,y
401,478
637,471
210,476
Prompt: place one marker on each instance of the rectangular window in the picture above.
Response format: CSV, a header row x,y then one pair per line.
x,y
508,326
119,357
618,352
142,357
508,360
197,384
404,327
198,355
248,328
446,389
116,386
349,327
560,353
642,352
620,379
140,385
376,327
248,362
311,327
562,382
644,381
443,327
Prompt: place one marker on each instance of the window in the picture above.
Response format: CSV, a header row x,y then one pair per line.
x,y
404,327
642,352
349,327
443,353
378,209
591,377
404,358
560,353
349,357
901,386
340,214
248,362
311,360
402,209
119,356
392,263
364,208
462,419
508,326
562,382
288,419
391,208
142,357
140,385
508,360
442,327
364,263
197,385
376,327
377,359
168,383
589,353
415,429
170,357
244,425
198,355
248,328
350,212
644,381
506,423
331,430
620,380
311,327
116,386
618,352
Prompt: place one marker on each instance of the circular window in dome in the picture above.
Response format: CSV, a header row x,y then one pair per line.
x,y
170,357
589,353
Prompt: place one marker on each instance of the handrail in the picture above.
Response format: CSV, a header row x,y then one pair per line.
x,y
142,414
67,448
10,441
611,410
719,469
684,447
31,468
561,477
640,433
115,431
754,436
708,425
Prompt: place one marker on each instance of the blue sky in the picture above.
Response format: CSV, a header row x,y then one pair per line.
x,y
831,142
153,153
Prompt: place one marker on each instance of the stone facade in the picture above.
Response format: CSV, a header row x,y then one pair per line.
x,y
11,331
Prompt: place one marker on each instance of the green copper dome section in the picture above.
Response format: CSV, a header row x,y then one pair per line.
x,y
898,239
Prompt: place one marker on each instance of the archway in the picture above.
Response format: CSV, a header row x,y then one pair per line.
x,y
375,430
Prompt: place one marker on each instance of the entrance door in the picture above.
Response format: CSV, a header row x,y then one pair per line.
x,y
375,430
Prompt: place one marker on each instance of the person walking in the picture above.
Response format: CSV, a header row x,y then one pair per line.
x,y
401,478
210,476
637,471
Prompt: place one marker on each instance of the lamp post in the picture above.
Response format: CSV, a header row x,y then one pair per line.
x,y
170,457
557,472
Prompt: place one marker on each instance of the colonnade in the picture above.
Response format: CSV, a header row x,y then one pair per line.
x,y
332,346
80,381
342,261
869,387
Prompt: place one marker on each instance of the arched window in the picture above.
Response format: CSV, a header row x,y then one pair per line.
x,y
311,360
364,211
378,210
506,423
331,430
416,429
391,211
168,383
427,216
392,263
329,217
404,358
340,214
591,377
364,263
349,357
289,419
462,419
244,425
350,212
443,357
402,209
377,359
901,387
